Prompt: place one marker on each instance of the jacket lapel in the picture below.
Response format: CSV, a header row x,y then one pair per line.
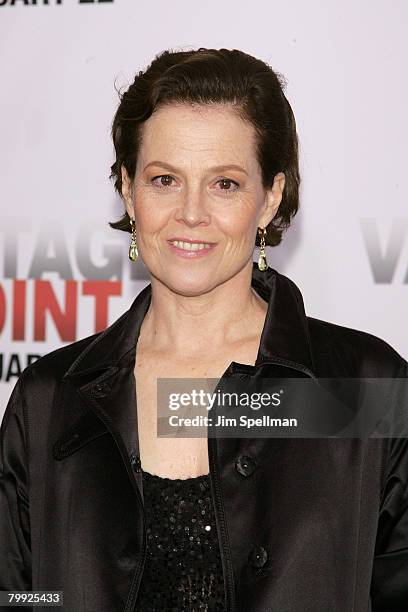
x,y
102,397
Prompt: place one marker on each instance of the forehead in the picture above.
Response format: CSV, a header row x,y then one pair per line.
x,y
198,132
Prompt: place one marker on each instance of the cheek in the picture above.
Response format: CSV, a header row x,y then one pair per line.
x,y
150,218
239,224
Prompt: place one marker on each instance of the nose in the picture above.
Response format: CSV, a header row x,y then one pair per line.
x,y
193,208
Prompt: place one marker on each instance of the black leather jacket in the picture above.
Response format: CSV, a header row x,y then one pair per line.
x,y
304,525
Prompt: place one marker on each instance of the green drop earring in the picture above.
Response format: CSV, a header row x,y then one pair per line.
x,y
262,263
133,252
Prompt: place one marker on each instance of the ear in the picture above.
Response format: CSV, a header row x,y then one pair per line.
x,y
127,192
273,199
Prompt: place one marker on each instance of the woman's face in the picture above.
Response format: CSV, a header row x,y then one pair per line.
x,y
198,179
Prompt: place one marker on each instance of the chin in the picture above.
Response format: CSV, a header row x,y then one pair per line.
x,y
188,282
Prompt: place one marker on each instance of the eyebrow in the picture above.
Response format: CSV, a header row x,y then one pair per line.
x,y
213,169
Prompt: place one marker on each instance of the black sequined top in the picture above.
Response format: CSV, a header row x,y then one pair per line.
x,y
183,569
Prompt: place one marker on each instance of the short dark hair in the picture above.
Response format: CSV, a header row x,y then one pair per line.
x,y
214,76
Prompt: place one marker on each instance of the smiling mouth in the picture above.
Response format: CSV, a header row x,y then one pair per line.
x,y
191,246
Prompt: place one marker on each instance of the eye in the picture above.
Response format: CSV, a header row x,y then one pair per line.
x,y
164,181
226,184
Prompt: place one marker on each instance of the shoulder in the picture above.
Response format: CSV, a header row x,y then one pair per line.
x,y
355,352
33,394
54,365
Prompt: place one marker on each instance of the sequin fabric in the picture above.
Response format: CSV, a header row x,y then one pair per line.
x,y
183,569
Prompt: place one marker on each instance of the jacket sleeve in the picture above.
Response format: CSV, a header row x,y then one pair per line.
x,y
15,546
389,589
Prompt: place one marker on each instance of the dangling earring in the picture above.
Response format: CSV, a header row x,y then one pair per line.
x,y
133,252
262,263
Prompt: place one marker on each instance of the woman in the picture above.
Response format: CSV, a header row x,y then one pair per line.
x,y
92,502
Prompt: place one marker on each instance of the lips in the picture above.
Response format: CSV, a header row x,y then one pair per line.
x,y
191,248
181,239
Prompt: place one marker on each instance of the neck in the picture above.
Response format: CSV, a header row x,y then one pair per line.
x,y
210,322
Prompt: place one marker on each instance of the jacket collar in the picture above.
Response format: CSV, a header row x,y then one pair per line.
x,y
102,375
284,339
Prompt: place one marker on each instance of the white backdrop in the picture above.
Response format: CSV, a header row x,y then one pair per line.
x,y
347,82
